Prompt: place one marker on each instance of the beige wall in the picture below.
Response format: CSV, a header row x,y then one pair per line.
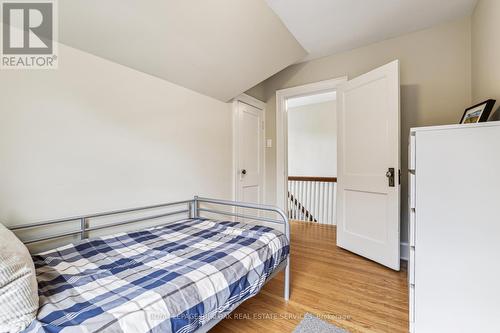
x,y
486,52
95,136
257,92
435,84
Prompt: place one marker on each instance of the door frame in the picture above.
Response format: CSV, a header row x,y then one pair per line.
x,y
247,99
282,129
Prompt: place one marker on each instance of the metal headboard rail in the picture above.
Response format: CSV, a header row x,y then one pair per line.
x,y
280,212
86,229
96,215
83,219
192,210
250,217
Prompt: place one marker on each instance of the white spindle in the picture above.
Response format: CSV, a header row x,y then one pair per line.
x,y
330,199
323,203
316,201
331,202
313,199
328,206
295,212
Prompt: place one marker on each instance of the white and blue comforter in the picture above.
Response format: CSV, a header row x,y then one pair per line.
x,y
173,278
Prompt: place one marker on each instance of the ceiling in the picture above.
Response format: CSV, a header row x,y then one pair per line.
x,y
219,48
325,27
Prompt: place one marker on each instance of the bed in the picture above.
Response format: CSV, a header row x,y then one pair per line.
x,y
181,276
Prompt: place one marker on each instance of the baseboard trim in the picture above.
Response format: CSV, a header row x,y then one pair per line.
x,y
404,251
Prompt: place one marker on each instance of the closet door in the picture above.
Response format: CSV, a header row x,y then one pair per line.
x,y
250,160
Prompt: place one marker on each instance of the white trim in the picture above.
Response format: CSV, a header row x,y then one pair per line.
x,y
247,99
234,173
312,99
281,129
251,101
404,251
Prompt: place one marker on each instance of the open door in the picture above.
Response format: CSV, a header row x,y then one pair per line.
x,y
369,165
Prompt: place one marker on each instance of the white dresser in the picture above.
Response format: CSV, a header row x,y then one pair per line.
x,y
454,198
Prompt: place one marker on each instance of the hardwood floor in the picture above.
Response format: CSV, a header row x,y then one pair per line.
x,y
340,287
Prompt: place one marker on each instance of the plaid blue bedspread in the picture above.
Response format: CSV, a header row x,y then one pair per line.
x,y
173,278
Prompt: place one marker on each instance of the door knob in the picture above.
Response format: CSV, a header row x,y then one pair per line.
x,y
390,175
244,172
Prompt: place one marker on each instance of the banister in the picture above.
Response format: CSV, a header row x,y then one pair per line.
x,y
313,179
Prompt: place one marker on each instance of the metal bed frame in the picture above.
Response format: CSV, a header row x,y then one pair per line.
x,y
193,209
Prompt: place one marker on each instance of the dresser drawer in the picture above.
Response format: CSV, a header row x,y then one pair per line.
x,y
411,266
412,193
411,153
412,228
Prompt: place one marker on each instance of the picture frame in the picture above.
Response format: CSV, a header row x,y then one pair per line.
x,y
478,113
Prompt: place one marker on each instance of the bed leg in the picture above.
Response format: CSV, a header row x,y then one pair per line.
x,y
190,210
286,294
196,206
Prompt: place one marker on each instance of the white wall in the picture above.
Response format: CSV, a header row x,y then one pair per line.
x,y
312,140
95,136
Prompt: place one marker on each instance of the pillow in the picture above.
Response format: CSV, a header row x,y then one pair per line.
x,y
18,286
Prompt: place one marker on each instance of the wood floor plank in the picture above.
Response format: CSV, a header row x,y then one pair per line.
x,y
342,288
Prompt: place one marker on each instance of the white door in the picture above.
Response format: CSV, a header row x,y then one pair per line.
x,y
250,159
369,165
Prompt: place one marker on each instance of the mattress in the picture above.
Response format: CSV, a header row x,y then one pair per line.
x,y
173,278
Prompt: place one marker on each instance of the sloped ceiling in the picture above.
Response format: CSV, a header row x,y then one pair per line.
x,y
219,48
325,27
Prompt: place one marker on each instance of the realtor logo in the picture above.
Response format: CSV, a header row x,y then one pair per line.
x,y
28,34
